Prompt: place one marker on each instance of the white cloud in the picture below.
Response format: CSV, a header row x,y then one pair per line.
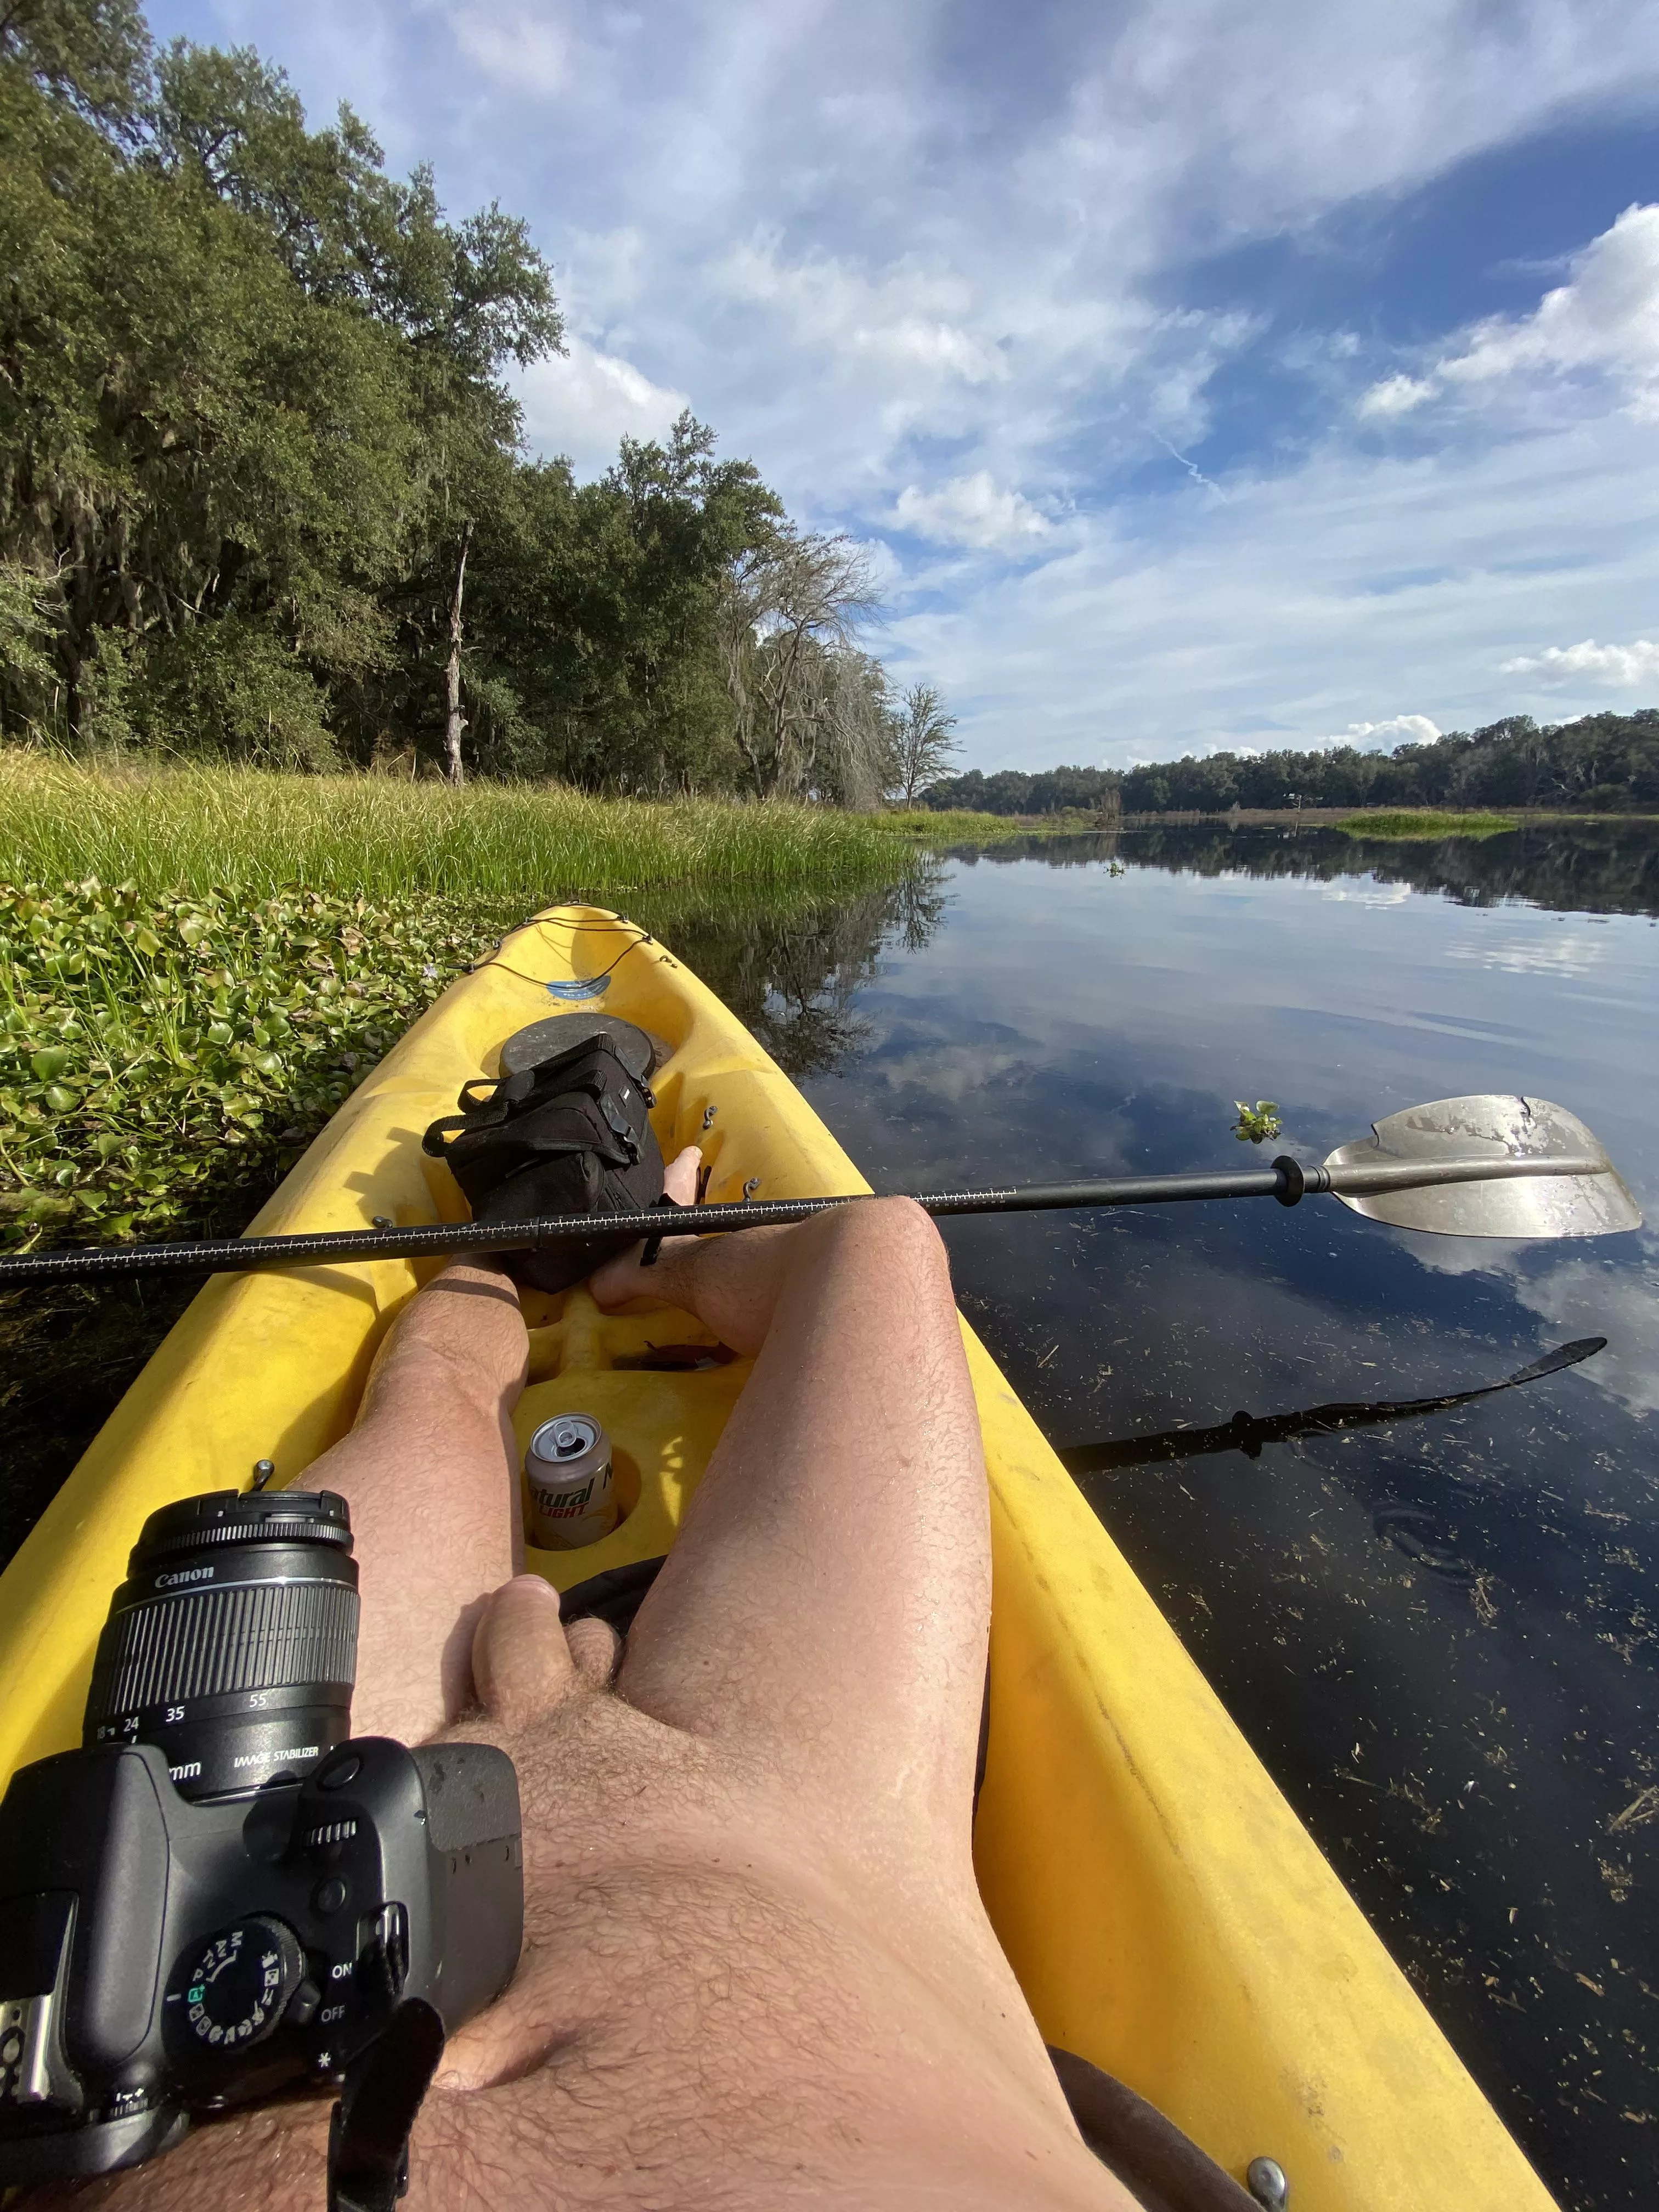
x,y
1622,666
1604,319
1379,736
1131,638
1585,1297
516,47
974,511
908,316
892,252
1562,955
1578,1297
585,401
1396,395
1377,899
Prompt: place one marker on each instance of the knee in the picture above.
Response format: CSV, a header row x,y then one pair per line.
x,y
903,1236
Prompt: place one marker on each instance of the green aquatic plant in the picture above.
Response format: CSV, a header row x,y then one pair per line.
x,y
1403,825
158,1056
1256,1124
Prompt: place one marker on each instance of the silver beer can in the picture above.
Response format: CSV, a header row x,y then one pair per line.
x,y
571,1494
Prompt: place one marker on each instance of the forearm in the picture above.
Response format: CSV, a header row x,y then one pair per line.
x,y
270,2158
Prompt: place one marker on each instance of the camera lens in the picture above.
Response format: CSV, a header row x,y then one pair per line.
x,y
232,1645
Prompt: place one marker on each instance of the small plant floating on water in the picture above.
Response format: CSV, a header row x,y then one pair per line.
x,y
1256,1124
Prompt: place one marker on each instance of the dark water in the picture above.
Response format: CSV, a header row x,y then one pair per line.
x,y
1440,1636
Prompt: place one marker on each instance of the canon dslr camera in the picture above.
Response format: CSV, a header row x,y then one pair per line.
x,y
219,1894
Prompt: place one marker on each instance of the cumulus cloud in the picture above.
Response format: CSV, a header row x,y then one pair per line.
x,y
890,252
909,317
1577,1298
1396,395
516,47
973,511
1605,319
584,403
1587,662
1126,639
1378,736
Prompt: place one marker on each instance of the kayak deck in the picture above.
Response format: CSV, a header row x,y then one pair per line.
x,y
1168,1916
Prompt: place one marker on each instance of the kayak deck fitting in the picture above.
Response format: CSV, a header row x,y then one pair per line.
x,y
1167,1915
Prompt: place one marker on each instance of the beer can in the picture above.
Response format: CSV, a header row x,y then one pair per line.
x,y
571,1494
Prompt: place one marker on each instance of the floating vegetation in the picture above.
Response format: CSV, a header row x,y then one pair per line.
x,y
1256,1124
158,1054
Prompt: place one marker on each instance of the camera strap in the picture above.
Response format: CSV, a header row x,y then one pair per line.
x,y
369,2127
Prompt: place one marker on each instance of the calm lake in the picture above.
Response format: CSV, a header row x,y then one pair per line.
x,y
1440,1635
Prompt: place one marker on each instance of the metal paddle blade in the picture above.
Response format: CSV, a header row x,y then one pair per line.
x,y
1491,1127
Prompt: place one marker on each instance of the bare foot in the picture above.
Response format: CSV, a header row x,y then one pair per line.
x,y
621,1279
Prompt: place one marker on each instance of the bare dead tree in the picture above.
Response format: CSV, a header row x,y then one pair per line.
x,y
788,619
455,722
922,742
847,726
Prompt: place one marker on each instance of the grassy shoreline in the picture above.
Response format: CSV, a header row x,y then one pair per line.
x,y
196,964
963,826
1403,823
252,831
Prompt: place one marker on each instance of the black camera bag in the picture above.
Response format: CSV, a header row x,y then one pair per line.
x,y
570,1135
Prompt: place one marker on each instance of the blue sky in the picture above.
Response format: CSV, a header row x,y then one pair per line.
x,y
1197,374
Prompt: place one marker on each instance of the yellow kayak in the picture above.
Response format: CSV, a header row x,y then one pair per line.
x,y
1168,1916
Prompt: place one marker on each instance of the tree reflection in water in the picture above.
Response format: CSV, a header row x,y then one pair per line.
x,y
1582,868
792,982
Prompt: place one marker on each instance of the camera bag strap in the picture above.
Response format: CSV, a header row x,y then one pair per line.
x,y
369,2127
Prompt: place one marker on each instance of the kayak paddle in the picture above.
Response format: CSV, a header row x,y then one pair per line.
x,y
1486,1166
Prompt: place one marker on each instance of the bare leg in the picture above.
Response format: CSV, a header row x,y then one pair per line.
x,y
826,1608
829,1600
756,1972
430,1474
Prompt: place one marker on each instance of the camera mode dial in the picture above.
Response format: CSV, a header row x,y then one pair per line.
x,y
240,1982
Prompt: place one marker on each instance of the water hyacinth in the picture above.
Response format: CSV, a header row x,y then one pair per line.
x,y
161,1054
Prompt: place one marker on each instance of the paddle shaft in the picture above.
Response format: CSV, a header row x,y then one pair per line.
x,y
1286,1180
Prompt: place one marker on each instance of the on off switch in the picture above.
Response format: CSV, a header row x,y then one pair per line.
x,y
383,1967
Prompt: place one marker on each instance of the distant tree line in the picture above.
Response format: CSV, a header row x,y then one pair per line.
x,y
263,493
1603,763
1605,866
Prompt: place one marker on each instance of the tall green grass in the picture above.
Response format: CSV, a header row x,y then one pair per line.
x,y
197,963
195,828
1404,824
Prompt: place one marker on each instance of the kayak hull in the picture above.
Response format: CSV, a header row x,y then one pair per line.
x,y
1167,1915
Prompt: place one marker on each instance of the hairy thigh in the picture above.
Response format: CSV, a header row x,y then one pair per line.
x,y
707,1998
709,2011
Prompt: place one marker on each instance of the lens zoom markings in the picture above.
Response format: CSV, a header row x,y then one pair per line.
x,y
215,1643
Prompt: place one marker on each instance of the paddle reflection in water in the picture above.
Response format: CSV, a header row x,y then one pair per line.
x,y
1249,1432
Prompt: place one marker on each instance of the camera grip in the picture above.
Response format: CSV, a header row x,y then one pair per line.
x,y
472,1793
472,1822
